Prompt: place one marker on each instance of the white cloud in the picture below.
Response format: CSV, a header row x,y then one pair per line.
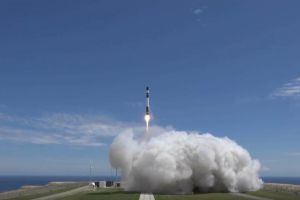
x,y
26,135
290,89
61,128
198,14
198,11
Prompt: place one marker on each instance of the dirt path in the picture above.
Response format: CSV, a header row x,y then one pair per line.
x,y
250,197
64,194
146,197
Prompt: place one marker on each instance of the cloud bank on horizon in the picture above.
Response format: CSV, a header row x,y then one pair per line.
x,y
173,161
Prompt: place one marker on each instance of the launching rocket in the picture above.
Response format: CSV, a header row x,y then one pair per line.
x,y
147,114
147,101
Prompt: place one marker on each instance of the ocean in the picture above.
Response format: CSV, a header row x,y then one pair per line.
x,y
15,182
286,180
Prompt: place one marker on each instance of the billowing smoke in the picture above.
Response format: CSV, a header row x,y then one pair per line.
x,y
179,162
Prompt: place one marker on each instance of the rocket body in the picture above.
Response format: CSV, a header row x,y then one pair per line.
x,y
147,101
147,114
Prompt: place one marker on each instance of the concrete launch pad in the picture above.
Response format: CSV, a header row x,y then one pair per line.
x,y
146,197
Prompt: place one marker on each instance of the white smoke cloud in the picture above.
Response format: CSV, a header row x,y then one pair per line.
x,y
180,162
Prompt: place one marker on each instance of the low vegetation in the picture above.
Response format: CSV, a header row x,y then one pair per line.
x,y
271,191
31,192
208,196
104,194
279,192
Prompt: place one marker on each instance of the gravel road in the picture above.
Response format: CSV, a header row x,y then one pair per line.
x,y
64,194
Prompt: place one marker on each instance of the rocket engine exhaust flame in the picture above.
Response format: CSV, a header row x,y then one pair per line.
x,y
147,119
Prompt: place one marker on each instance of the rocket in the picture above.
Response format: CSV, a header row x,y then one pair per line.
x,y
147,114
147,101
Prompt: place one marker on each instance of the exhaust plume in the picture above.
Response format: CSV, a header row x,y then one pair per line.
x,y
147,120
173,161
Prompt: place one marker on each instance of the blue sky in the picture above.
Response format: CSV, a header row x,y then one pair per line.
x,y
73,75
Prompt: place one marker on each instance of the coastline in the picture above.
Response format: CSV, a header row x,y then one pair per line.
x,y
51,187
15,182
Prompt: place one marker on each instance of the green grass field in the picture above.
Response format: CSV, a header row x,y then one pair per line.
x,y
28,197
209,196
104,194
117,194
276,195
120,195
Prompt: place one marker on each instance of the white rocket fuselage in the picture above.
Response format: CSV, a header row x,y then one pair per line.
x,y
147,101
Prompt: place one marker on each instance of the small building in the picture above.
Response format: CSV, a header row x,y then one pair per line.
x,y
102,184
118,184
105,184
